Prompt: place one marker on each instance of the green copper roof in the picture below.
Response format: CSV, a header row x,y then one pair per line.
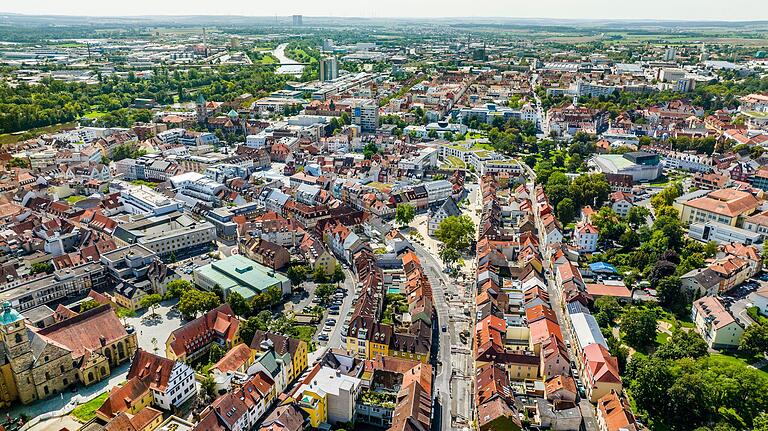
x,y
9,314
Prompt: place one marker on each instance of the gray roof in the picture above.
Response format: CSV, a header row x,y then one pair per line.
x,y
449,207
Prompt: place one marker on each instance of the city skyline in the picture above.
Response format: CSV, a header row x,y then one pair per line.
x,y
688,10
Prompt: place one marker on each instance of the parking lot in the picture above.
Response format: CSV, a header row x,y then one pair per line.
x,y
741,298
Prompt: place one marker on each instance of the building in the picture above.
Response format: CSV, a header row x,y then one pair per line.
x,y
329,69
725,206
27,293
641,166
144,200
171,382
447,209
173,233
715,323
296,349
298,20
193,188
365,113
239,274
723,233
615,414
600,372
195,338
80,349
585,237
328,396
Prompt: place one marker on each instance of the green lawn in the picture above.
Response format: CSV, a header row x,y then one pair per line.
x,y
74,199
144,183
268,59
94,115
87,411
661,337
455,162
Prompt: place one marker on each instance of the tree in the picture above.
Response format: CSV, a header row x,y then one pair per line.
x,y
324,291
338,274
456,232
208,385
239,305
608,224
248,327
682,344
608,305
87,305
369,150
566,210
618,351
216,353
662,268
17,162
194,301
710,249
404,214
671,295
151,301
755,339
639,328
297,274
666,197
637,216
319,275
41,267
589,189
175,288
449,256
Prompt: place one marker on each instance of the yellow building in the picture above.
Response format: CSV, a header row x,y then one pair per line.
x,y
368,339
726,206
315,405
128,296
130,398
522,365
295,348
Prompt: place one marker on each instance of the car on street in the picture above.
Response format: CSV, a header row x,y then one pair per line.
x,y
322,337
445,327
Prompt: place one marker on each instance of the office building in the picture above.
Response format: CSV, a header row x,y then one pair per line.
x,y
329,69
167,234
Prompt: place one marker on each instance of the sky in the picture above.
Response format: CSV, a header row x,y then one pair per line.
x,y
576,9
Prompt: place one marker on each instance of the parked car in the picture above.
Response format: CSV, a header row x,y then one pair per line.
x,y
322,337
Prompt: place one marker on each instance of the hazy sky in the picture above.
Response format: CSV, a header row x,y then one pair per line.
x,y
579,9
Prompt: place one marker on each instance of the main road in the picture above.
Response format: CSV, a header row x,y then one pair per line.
x,y
441,386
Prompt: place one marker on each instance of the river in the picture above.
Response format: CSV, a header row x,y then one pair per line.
x,y
288,66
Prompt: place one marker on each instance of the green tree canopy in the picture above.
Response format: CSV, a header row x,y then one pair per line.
x,y
639,327
404,214
193,302
456,232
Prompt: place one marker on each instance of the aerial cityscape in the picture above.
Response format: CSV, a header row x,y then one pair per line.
x,y
215,221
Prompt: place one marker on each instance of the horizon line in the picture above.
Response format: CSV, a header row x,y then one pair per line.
x,y
423,18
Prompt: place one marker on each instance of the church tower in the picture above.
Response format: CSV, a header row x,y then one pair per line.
x,y
202,111
15,339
